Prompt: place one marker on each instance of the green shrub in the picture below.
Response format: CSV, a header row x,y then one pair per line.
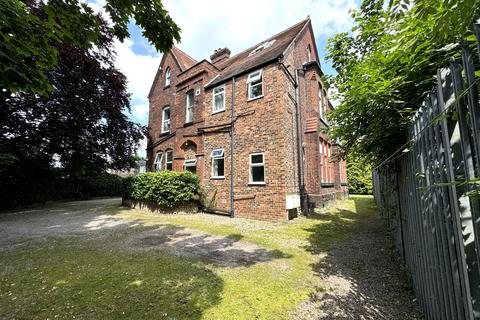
x,y
165,188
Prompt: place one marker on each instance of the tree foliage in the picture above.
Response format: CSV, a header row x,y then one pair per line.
x,y
387,64
81,124
30,30
77,131
359,172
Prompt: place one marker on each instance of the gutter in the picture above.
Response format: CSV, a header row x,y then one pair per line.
x,y
232,140
298,121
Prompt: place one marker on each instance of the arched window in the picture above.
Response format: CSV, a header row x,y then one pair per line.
x,y
166,119
168,75
157,164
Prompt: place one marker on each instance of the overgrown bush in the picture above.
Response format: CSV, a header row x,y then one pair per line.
x,y
165,188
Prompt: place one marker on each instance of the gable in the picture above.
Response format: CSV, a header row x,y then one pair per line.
x,y
177,59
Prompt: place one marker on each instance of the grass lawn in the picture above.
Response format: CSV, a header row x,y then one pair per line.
x,y
87,278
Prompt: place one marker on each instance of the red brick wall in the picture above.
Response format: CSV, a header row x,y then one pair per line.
x,y
267,124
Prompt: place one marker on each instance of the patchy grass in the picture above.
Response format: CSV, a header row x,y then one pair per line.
x,y
78,277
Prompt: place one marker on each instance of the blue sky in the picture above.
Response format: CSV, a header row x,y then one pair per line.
x,y
210,24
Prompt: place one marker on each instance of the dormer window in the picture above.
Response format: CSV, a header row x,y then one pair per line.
x,y
168,75
264,45
166,120
255,85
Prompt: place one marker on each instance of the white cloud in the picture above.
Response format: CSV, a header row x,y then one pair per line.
x,y
210,24
139,69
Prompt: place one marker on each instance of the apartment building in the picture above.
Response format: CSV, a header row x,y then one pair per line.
x,y
250,126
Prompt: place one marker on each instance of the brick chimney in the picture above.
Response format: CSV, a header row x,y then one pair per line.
x,y
220,55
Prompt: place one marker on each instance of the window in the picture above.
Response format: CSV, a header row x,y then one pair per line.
x,y
326,162
168,75
169,160
255,85
321,105
166,120
257,168
218,99
190,165
218,163
264,45
322,161
309,53
189,107
157,164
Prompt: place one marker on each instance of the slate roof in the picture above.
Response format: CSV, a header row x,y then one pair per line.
x,y
244,62
183,59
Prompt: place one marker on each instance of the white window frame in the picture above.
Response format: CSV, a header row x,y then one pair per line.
x,y
214,94
251,165
320,145
157,164
167,162
168,76
189,163
189,106
321,104
164,121
256,76
215,155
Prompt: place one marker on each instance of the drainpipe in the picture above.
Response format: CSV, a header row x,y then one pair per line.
x,y
232,140
298,120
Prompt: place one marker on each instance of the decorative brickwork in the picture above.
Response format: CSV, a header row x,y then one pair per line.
x,y
270,121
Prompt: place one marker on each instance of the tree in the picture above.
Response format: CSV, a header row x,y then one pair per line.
x,y
30,30
359,172
387,64
81,125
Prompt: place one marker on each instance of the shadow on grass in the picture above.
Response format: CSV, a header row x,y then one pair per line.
x,y
221,251
362,272
80,282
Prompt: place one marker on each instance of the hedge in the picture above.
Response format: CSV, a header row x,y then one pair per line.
x,y
18,189
165,188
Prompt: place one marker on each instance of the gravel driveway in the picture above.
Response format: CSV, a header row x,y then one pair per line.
x,y
98,218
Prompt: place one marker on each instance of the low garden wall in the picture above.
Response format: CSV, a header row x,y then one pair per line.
x,y
166,192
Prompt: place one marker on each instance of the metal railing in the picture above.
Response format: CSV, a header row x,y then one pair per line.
x,y
429,194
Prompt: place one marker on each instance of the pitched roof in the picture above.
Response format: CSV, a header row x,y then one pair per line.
x,y
245,61
183,59
184,62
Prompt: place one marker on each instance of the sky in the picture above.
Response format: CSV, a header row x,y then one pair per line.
x,y
211,24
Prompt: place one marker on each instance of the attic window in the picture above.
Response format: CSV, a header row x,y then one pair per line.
x,y
264,45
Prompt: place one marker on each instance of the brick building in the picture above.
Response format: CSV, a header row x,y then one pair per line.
x,y
250,126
